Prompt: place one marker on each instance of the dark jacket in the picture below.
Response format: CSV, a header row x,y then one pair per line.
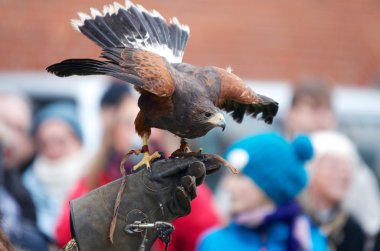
x,y
377,243
14,186
343,232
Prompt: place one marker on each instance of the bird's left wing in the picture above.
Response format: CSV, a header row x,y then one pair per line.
x,y
239,99
139,45
150,67
146,70
133,26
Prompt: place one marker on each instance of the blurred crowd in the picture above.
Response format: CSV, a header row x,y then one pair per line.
x,y
304,187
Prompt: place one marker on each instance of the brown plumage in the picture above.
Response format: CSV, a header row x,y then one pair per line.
x,y
142,49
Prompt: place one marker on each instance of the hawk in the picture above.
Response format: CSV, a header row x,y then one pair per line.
x,y
141,48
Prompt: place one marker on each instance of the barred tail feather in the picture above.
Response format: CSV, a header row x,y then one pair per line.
x,y
133,26
84,67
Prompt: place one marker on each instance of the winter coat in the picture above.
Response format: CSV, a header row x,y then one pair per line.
x,y
273,238
62,230
13,184
344,233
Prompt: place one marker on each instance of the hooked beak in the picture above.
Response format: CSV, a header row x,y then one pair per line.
x,y
218,120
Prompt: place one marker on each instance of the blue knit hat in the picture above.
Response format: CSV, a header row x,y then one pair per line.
x,y
63,111
274,164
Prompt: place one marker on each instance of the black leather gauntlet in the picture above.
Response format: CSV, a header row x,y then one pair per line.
x,y
162,194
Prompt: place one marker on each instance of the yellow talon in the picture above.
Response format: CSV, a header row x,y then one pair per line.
x,y
146,160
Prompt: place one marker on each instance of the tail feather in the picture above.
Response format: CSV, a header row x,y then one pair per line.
x,y
130,26
84,67
94,32
155,29
134,27
105,25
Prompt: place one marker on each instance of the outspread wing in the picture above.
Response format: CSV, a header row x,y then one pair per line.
x,y
239,99
145,70
139,45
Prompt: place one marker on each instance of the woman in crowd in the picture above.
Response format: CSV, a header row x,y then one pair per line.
x,y
331,172
59,163
118,109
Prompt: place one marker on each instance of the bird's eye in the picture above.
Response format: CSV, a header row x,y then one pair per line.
x,y
207,114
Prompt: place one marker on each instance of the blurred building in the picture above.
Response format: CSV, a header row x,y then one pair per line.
x,y
268,43
337,40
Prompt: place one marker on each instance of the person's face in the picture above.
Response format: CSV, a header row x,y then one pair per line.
x,y
306,117
56,140
245,195
15,118
123,131
331,177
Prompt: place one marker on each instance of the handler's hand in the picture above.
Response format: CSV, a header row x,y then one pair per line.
x,y
160,194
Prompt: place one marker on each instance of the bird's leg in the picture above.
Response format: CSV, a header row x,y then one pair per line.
x,y
147,158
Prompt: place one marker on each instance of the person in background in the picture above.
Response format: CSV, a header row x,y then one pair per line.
x,y
18,150
14,228
312,110
118,108
16,115
331,171
59,163
263,212
22,234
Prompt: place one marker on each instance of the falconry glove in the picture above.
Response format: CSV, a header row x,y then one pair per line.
x,y
151,199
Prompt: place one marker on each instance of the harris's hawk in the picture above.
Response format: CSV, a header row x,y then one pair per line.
x,y
142,49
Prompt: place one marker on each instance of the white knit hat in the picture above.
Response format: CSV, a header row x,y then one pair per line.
x,y
332,142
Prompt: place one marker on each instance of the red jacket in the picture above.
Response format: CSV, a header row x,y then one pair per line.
x,y
188,229
62,231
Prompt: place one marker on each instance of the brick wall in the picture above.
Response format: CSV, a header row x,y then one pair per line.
x,y
260,39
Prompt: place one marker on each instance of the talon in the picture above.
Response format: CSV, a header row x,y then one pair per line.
x,y
146,160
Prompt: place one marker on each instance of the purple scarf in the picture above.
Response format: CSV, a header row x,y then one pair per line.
x,y
290,213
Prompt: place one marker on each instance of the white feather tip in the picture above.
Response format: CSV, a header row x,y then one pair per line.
x,y
117,6
83,16
157,14
75,23
95,12
128,4
174,20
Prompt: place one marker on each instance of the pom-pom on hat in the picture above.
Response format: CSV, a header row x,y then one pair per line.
x,y
273,163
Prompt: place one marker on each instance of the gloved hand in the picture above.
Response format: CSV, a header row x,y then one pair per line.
x,y
162,194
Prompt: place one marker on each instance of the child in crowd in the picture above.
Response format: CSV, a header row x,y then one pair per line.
x,y
264,213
